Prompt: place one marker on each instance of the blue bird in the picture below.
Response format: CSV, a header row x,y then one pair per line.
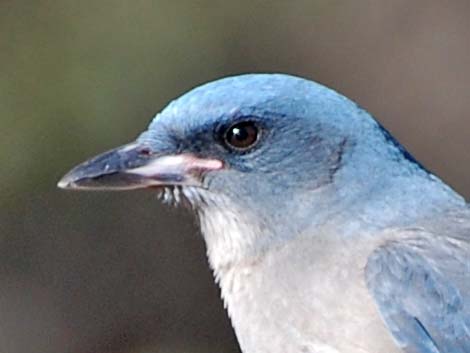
x,y
323,233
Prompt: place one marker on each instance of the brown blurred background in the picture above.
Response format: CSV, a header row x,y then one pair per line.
x,y
99,272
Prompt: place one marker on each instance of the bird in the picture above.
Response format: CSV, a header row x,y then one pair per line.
x,y
323,232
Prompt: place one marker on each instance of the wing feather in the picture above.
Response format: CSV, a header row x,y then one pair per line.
x,y
421,285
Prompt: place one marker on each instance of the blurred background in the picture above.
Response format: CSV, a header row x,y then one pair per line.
x,y
103,272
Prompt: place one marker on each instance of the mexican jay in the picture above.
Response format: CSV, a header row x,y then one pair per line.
x,y
324,234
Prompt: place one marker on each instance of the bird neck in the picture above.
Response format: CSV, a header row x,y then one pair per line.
x,y
368,193
385,187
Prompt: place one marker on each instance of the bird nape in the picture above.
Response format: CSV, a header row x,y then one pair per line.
x,y
323,233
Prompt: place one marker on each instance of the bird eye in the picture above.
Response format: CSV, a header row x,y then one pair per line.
x,y
242,136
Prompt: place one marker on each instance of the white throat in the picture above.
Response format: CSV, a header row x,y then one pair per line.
x,y
232,236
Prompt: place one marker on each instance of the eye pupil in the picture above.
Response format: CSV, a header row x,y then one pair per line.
x,y
242,136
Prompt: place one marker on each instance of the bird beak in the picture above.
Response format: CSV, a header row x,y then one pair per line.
x,y
136,166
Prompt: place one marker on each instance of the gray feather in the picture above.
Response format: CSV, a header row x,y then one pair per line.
x,y
422,288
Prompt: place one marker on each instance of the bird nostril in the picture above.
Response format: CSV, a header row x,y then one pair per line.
x,y
145,151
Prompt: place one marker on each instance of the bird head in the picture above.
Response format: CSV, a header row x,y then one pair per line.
x,y
259,150
242,138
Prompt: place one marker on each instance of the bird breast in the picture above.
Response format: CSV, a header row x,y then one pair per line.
x,y
312,291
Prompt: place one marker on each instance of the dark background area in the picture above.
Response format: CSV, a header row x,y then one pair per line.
x,y
104,272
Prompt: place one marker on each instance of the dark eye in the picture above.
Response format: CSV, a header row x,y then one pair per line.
x,y
242,136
